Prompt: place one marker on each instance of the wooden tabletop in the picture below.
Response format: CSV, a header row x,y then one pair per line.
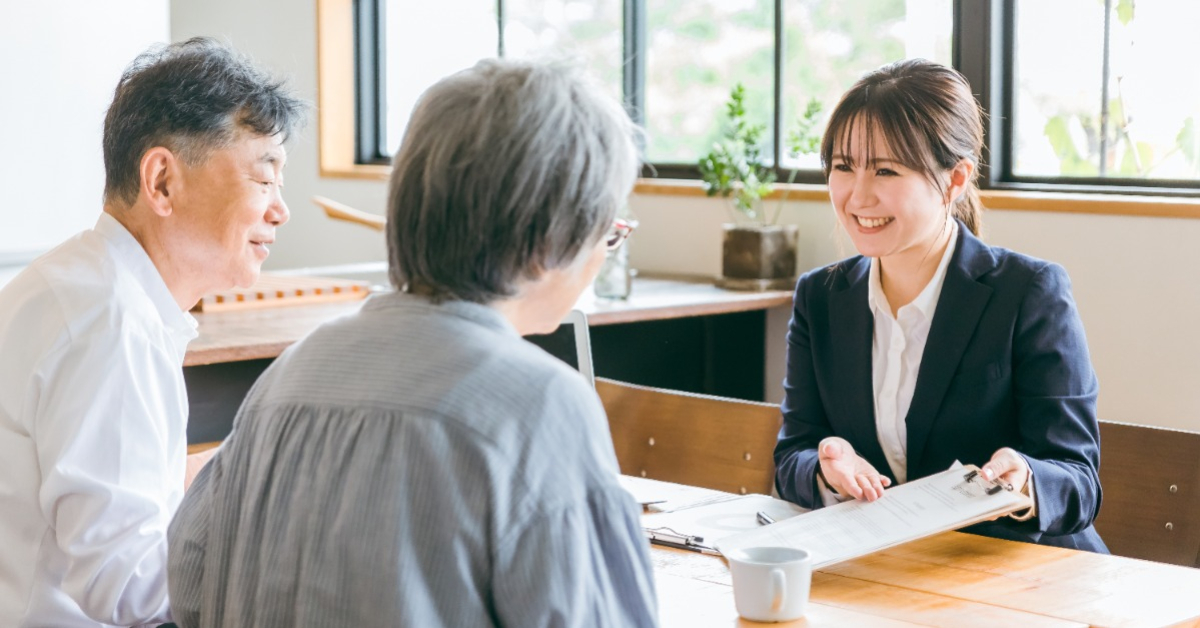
x,y
951,579
265,333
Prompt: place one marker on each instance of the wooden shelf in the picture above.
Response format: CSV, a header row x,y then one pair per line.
x,y
265,333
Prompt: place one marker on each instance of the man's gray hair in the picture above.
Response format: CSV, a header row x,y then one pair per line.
x,y
507,169
191,97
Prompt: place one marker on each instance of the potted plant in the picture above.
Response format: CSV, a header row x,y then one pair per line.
x,y
757,254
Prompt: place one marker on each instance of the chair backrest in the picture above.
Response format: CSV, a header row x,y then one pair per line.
x,y
712,442
1151,482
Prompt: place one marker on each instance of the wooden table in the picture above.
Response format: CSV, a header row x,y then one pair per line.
x,y
951,579
265,333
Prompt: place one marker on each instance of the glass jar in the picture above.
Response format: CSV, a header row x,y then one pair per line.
x,y
615,279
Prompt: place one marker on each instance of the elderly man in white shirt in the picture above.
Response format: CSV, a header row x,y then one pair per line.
x,y
93,408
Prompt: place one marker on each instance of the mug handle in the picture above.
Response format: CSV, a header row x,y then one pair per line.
x,y
778,586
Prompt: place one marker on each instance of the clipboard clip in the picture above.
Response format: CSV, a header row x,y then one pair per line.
x,y
996,485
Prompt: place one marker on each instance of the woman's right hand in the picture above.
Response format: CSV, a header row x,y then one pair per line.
x,y
848,473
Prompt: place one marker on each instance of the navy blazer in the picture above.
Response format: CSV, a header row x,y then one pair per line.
x,y
1006,365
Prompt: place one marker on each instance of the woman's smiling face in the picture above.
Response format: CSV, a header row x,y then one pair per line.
x,y
887,208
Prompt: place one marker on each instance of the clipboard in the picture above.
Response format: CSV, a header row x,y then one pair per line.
x,y
703,524
945,501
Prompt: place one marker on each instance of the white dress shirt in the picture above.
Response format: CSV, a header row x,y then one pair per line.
x,y
896,349
93,416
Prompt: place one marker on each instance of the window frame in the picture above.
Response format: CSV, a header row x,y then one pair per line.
x,y
983,44
370,72
982,40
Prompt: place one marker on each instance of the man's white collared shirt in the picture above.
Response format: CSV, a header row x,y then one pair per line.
x,y
93,416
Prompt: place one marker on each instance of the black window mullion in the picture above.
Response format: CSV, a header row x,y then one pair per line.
x,y
380,114
370,77
1106,69
633,70
500,28
777,117
981,43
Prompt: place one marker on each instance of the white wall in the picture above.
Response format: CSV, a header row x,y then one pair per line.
x,y
1133,277
59,63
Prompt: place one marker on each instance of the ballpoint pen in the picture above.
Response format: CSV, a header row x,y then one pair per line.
x,y
699,549
763,518
680,541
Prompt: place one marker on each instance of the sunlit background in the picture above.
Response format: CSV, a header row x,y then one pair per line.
x,y
1074,115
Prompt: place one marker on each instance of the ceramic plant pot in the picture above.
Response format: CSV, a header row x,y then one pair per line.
x,y
759,257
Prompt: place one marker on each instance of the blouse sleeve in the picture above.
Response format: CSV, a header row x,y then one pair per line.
x,y
578,565
188,538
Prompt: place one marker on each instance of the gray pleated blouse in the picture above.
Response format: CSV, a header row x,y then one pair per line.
x,y
413,465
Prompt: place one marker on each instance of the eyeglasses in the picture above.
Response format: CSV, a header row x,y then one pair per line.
x,y
620,231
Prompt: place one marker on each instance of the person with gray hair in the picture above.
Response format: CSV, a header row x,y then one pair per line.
x,y
93,408
419,463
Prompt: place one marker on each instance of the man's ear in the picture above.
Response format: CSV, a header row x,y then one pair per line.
x,y
960,176
160,176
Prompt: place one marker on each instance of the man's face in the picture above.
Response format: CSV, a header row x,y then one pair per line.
x,y
226,213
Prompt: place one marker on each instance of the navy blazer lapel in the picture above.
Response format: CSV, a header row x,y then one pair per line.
x,y
959,309
852,327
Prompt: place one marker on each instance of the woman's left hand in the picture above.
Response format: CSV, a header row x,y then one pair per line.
x,y
1007,465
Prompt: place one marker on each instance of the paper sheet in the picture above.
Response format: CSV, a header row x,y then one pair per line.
x,y
914,510
666,496
716,520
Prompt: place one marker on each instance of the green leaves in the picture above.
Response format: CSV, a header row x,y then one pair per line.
x,y
1125,11
1187,141
1071,159
1136,159
805,137
734,167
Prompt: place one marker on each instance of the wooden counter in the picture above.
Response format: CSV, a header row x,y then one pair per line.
x,y
265,333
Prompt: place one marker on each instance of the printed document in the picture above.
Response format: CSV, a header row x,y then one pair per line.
x,y
946,501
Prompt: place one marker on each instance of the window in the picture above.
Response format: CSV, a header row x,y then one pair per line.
x,y
682,58
1076,91
1108,107
404,47
827,46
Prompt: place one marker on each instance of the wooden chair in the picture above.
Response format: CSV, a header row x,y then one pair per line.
x,y
712,442
1151,482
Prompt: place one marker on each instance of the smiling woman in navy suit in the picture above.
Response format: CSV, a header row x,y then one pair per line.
x,y
931,346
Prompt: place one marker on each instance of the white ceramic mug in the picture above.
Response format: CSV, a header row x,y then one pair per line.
x,y
770,583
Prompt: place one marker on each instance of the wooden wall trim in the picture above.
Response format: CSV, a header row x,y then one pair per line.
x,y
1105,204
335,90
